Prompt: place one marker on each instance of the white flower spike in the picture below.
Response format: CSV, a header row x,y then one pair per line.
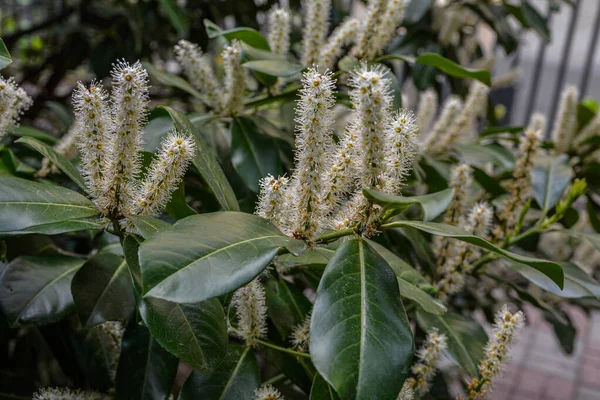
x,y
565,124
13,103
251,310
341,36
316,25
279,30
234,78
267,392
198,68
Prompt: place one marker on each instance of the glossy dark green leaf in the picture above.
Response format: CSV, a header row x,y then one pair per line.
x,y
550,179
37,290
28,131
131,245
102,290
195,333
146,371
578,283
593,211
535,20
481,156
171,80
246,35
148,226
286,305
57,159
416,10
321,390
549,268
564,330
466,338
206,163
453,69
175,16
488,183
30,207
410,281
280,68
586,111
207,255
360,338
5,58
253,154
156,130
432,205
178,208
235,378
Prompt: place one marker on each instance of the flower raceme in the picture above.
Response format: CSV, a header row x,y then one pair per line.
x,y
251,310
279,30
110,140
13,102
425,369
226,98
375,151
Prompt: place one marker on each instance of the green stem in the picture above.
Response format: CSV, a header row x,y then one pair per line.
x,y
274,379
283,349
330,237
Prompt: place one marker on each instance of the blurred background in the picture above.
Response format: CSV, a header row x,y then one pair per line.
x,y
55,43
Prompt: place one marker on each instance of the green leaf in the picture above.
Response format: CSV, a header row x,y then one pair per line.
x,y
206,163
207,255
321,390
466,338
235,378
550,179
593,239
410,281
171,80
102,290
432,205
5,58
481,156
246,35
195,333
148,226
146,371
535,20
56,158
178,208
175,16
280,68
253,154
453,69
286,305
416,10
28,131
586,111
30,207
360,338
156,130
37,290
578,283
549,268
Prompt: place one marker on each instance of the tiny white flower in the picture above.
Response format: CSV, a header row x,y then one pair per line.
x,y
267,392
279,30
565,123
234,78
251,310
316,26
14,101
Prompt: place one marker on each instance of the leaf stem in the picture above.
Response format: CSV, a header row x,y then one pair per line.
x,y
274,379
283,349
331,237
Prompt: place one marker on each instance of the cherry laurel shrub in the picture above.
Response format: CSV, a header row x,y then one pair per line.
x,y
299,234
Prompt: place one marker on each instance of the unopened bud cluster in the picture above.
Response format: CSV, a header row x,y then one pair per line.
x,y
376,151
496,352
13,102
225,98
425,369
251,311
110,140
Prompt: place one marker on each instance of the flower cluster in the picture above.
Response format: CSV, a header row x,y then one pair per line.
x,y
376,151
66,146
13,102
267,392
279,30
301,334
251,310
461,178
428,103
457,121
226,98
565,123
496,352
68,394
369,37
519,186
424,370
110,141
463,255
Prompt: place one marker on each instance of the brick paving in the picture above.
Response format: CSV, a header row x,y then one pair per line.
x,y
541,370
